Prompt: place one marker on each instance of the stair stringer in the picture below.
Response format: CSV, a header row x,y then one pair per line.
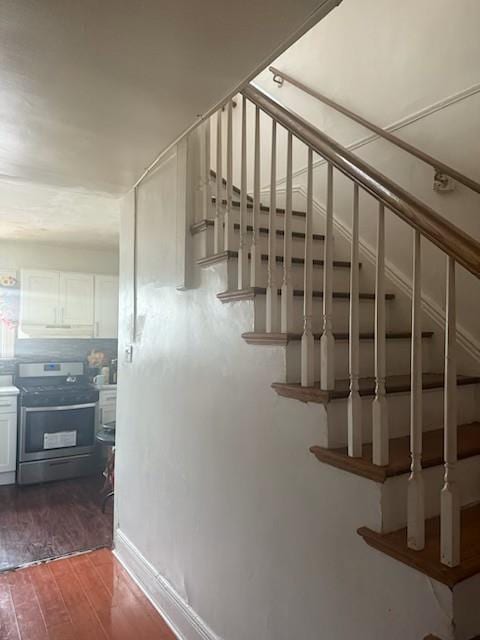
x,y
344,493
243,314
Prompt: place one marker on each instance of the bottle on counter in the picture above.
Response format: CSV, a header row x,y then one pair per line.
x,y
106,374
113,371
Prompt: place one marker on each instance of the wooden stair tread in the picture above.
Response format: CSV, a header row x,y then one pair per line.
x,y
399,448
197,227
394,384
225,255
280,232
428,560
250,293
263,207
277,338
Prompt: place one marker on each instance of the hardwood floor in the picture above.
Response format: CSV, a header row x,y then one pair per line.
x,y
44,521
86,597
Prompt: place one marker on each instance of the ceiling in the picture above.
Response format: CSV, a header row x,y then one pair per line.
x,y
91,91
38,213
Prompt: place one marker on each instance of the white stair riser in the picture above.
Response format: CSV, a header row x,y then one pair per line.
x,y
399,413
298,222
398,358
394,492
341,276
340,314
298,245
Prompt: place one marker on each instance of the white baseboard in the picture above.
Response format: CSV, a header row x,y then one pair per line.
x,y
179,615
8,477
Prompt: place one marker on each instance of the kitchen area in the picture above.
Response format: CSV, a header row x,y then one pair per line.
x,y
58,374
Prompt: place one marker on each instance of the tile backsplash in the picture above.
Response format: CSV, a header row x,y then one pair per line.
x,y
56,349
63,348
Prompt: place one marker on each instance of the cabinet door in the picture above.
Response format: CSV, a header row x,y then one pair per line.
x,y
76,298
8,442
106,306
39,297
108,413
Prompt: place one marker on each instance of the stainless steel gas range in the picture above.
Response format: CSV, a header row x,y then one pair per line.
x,y
57,418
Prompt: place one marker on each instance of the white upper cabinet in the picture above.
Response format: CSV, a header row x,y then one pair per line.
x,y
66,304
39,299
76,298
106,306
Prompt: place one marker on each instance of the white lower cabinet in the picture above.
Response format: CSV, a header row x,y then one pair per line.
x,y
107,406
8,440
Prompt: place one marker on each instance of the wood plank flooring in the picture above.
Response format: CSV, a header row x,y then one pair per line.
x,y
50,520
85,597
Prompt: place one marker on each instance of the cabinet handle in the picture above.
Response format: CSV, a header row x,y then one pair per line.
x,y
5,404
58,326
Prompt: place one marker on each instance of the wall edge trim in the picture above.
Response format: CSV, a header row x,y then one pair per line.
x,y
179,615
425,112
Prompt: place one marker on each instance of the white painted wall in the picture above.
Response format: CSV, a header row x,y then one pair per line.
x,y
406,63
216,491
16,255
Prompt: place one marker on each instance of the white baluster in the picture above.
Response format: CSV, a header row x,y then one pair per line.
x,y
308,347
243,247
272,287
416,491
379,406
327,342
218,226
228,223
287,288
354,400
206,196
255,246
450,501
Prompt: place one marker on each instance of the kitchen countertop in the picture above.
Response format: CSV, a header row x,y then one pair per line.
x,y
9,390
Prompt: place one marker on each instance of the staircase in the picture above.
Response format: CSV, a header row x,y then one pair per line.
x,y
395,411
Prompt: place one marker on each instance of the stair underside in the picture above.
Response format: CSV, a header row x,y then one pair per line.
x,y
202,225
251,292
283,339
432,444
235,189
230,254
428,560
394,384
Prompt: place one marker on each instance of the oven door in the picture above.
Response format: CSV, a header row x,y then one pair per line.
x,y
54,432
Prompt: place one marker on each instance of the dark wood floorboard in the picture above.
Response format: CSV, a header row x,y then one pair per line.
x,y
49,520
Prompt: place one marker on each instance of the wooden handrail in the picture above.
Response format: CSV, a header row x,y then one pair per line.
x,y
438,165
449,238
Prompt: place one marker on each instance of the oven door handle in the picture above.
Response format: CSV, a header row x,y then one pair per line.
x,y
61,408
